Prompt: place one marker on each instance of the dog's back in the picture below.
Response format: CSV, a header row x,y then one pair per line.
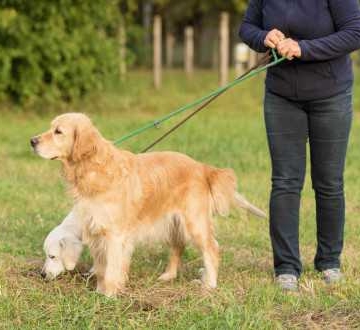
x,y
169,172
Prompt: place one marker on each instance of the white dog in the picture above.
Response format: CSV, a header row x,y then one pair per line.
x,y
63,247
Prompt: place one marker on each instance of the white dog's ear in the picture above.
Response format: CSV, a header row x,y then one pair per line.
x,y
70,252
86,141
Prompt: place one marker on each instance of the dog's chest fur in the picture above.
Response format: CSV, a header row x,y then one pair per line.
x,y
96,217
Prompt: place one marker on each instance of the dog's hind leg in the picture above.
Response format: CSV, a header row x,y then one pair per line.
x,y
177,245
202,234
210,251
173,265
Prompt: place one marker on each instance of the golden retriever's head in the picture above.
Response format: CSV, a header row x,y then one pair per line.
x,y
72,137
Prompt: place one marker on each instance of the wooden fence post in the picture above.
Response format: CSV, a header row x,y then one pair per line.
x,y
224,48
189,50
170,44
157,51
241,58
253,56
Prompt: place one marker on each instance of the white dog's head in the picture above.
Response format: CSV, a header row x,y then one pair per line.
x,y
63,251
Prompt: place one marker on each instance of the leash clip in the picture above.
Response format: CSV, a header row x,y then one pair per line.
x,y
156,124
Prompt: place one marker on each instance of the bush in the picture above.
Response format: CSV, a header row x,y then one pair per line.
x,y
57,49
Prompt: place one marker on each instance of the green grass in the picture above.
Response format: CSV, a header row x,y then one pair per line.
x,y
229,134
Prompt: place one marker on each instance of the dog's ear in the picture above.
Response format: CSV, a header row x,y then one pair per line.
x,y
70,252
86,141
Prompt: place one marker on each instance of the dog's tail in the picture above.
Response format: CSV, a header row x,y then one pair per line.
x,y
242,202
223,188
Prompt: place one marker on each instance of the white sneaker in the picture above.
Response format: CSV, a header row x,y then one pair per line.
x,y
332,275
287,282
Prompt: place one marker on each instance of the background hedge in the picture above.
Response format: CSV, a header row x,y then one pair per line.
x,y
57,49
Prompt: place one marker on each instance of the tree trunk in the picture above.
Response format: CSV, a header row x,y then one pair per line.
x,y
224,48
147,15
122,49
189,51
170,44
157,51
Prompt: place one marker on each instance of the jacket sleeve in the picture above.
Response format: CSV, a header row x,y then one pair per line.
x,y
346,16
251,29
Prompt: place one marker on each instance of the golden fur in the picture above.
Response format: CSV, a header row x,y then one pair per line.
x,y
124,199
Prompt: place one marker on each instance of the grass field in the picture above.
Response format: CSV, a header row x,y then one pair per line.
x,y
229,134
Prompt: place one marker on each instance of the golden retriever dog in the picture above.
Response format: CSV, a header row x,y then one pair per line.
x,y
123,199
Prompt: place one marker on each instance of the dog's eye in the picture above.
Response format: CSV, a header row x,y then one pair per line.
x,y
51,257
57,131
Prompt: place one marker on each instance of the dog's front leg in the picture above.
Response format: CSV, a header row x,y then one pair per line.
x,y
116,266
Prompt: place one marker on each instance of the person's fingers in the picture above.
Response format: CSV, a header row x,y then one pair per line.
x,y
284,45
281,47
269,41
280,35
271,44
289,49
281,44
290,53
276,31
285,41
284,51
275,39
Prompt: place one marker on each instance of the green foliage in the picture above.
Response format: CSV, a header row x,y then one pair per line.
x,y
187,10
62,49
58,49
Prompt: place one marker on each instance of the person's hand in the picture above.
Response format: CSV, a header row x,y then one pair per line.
x,y
289,48
273,38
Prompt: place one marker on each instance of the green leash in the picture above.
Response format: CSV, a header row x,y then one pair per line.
x,y
204,101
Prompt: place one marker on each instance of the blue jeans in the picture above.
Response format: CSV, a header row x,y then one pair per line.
x,y
290,125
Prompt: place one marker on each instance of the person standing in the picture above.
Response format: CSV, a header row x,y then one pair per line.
x,y
307,98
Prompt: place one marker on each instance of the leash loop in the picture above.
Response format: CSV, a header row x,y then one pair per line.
x,y
274,54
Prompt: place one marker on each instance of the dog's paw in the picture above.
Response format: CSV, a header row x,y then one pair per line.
x,y
197,282
110,289
206,281
208,285
110,293
167,276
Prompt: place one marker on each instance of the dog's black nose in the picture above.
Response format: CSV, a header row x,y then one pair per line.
x,y
34,141
43,274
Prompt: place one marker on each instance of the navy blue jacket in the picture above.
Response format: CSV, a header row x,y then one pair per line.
x,y
327,31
